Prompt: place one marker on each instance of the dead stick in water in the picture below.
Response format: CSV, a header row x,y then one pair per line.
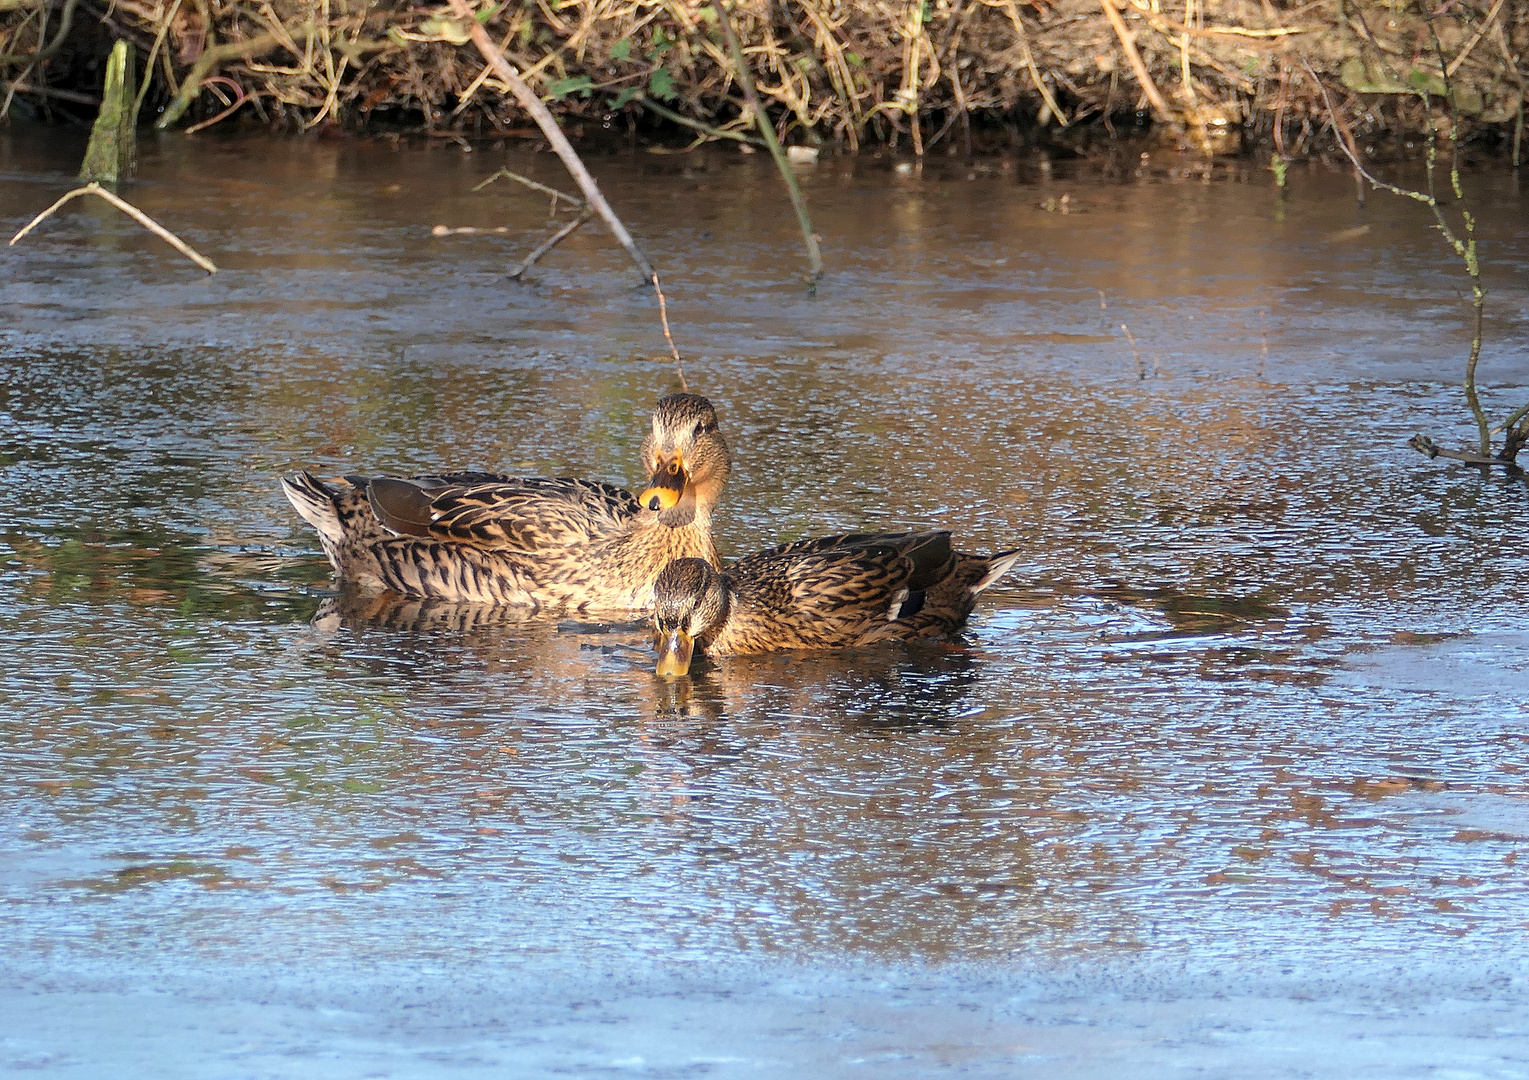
x,y
131,211
560,144
663,315
1141,369
533,185
548,244
767,133
1427,447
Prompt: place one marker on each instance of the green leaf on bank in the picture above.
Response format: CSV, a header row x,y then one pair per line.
x,y
855,59
661,44
621,50
576,84
622,98
661,84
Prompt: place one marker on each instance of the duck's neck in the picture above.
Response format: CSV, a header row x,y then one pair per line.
x,y
693,511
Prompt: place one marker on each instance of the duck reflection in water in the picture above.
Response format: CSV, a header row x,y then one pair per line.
x,y
890,686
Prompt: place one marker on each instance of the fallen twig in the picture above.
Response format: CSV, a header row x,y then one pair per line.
x,y
19,87
240,97
131,211
560,145
534,186
468,230
548,244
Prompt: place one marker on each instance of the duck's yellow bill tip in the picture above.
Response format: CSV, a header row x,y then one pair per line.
x,y
658,498
675,648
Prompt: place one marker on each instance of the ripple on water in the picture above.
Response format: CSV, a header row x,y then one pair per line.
x,y
1255,689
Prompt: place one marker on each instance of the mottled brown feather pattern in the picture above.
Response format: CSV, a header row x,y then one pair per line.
x,y
534,543
834,592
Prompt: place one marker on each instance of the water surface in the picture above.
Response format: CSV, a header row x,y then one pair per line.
x,y
1247,724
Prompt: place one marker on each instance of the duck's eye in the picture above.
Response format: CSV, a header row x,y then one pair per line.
x,y
699,429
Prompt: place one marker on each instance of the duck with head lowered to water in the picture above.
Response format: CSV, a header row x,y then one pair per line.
x,y
830,593
536,543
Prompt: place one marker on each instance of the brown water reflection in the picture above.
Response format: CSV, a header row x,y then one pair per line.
x,y
1255,693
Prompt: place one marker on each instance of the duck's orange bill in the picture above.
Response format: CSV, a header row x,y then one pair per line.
x,y
666,485
674,651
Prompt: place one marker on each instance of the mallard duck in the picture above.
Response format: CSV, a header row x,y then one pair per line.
x,y
572,544
834,592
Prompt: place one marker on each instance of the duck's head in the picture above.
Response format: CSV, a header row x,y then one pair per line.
x,y
686,458
688,600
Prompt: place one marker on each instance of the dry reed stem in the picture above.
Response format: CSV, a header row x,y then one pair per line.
x,y
133,212
767,132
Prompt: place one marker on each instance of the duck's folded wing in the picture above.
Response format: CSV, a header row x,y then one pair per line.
x,y
856,575
502,513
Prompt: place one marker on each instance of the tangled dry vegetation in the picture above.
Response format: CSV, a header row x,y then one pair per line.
x,y
910,73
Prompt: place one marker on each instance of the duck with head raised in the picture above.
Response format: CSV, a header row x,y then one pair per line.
x,y
538,543
830,593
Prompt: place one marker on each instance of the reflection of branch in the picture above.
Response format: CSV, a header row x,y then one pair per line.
x,y
1428,448
133,212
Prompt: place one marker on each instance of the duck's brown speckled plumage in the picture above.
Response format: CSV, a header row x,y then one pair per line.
x,y
835,592
534,543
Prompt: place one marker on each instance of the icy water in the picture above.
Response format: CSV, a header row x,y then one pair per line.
x,y
1228,778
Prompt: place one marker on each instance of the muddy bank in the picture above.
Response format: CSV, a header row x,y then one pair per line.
x,y
949,75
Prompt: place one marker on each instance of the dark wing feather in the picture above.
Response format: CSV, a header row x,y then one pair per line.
x,y
501,514
856,576
930,551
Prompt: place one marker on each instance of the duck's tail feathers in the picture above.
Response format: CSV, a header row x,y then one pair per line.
x,y
997,566
314,500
